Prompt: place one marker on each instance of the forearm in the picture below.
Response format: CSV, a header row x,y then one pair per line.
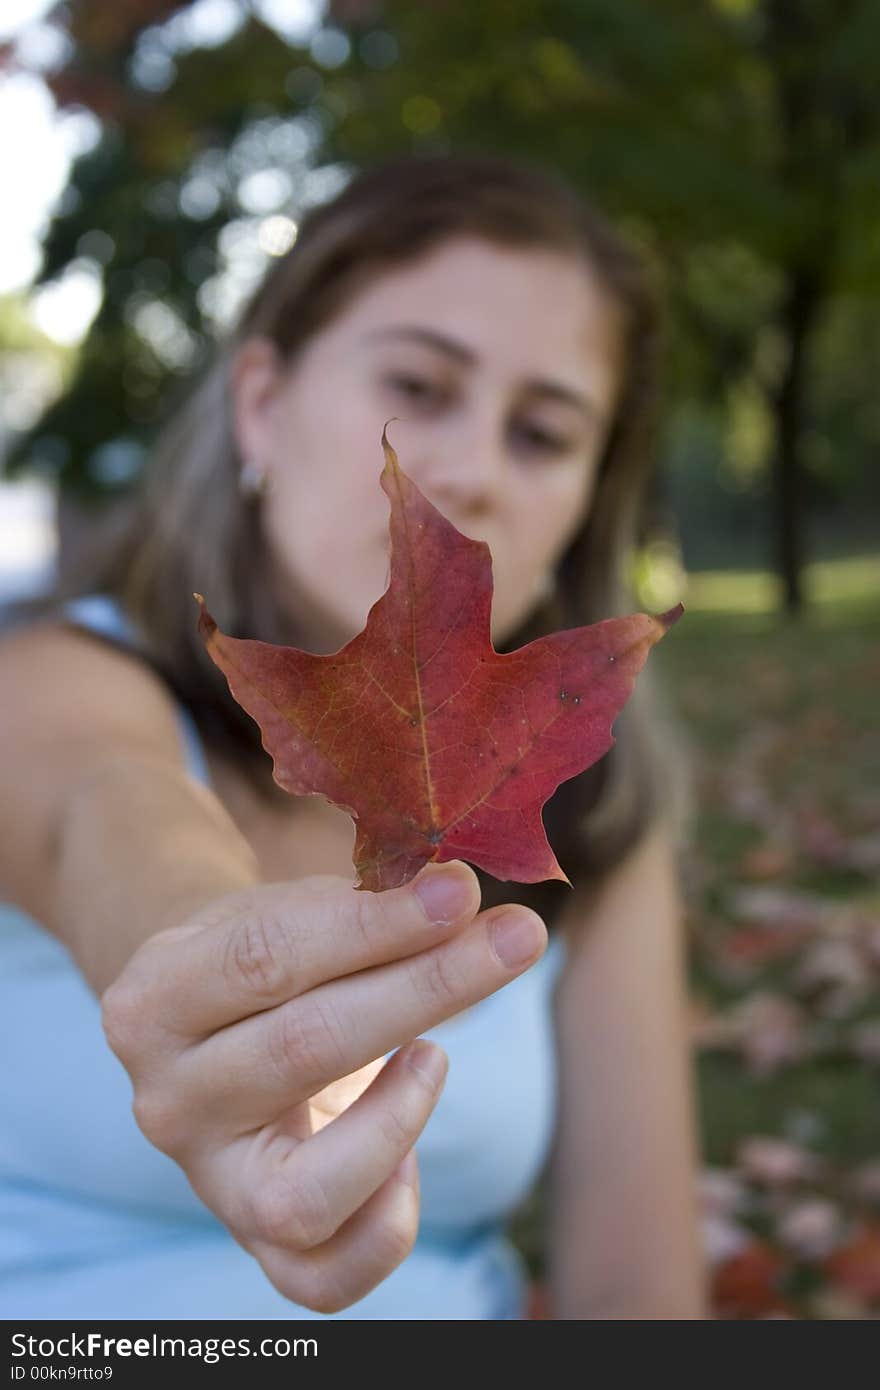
x,y
138,848
625,1235
625,1238
586,1280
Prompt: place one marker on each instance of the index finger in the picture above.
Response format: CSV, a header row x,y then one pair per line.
x,y
285,938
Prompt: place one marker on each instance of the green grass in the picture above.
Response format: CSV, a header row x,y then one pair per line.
x,y
842,1098
843,589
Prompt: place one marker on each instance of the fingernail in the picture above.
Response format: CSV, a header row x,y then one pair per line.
x,y
445,893
517,938
429,1061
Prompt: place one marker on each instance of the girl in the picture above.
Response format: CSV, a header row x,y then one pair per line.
x,y
224,1055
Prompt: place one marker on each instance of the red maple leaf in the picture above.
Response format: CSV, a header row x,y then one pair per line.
x,y
438,746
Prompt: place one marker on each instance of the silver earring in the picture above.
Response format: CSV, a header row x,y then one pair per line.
x,y
253,481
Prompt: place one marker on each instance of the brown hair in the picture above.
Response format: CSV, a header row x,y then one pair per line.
x,y
190,528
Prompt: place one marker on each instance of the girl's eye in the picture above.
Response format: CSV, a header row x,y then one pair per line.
x,y
542,441
415,388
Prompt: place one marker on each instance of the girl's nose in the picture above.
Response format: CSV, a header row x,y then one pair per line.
x,y
463,474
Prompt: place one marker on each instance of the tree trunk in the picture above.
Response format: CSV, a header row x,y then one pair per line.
x,y
796,320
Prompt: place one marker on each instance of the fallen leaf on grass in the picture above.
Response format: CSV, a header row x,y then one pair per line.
x,y
723,1239
741,951
776,1162
749,1285
721,1191
864,1182
810,1228
855,1266
767,861
767,1030
832,1304
780,907
820,838
835,975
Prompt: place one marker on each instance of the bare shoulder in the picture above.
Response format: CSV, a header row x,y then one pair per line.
x,y
69,701
642,888
60,678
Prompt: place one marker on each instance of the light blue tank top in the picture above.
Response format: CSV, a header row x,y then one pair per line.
x,y
96,1223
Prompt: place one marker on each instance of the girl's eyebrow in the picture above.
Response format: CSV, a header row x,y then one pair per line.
x,y
554,389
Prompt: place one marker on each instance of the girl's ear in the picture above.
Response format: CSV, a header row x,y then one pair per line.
x,y
255,377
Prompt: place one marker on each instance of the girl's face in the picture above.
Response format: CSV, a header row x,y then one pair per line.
x,y
503,365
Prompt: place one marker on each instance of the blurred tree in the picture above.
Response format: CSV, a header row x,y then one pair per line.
x,y
737,141
33,368
149,207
